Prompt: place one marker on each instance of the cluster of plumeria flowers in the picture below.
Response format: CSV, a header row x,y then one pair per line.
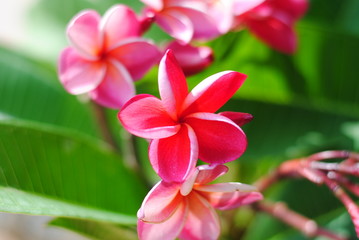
x,y
107,54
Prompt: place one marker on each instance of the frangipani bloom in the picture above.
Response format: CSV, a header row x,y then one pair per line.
x,y
182,125
192,59
191,19
106,56
187,210
273,22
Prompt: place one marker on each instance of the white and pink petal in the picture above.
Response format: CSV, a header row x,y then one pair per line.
x,y
145,116
119,23
160,203
202,221
231,200
209,173
167,230
213,92
79,75
192,59
176,24
137,55
84,34
172,84
174,158
116,88
220,140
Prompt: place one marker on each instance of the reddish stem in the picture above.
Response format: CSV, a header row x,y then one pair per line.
x,y
305,225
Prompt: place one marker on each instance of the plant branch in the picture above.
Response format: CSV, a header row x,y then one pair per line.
x,y
106,133
303,224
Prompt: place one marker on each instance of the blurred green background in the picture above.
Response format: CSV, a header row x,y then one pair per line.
x,y
54,162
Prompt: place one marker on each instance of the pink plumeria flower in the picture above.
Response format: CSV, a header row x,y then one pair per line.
x,y
187,210
106,56
273,22
191,19
192,59
182,125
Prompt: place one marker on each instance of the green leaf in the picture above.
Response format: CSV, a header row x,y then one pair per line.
x,y
96,230
31,91
16,201
46,161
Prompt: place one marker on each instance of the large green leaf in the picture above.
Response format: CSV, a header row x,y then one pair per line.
x,y
31,91
16,201
53,164
95,230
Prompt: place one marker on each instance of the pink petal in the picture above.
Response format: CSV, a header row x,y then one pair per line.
x,y
204,26
137,55
222,13
219,139
230,200
145,116
160,203
275,33
213,92
155,4
242,6
176,24
295,8
120,22
167,230
77,74
208,173
192,59
226,187
198,5
116,88
172,84
187,185
173,158
84,35
202,221
238,118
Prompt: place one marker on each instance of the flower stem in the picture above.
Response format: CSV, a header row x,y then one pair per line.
x,y
305,225
102,122
128,150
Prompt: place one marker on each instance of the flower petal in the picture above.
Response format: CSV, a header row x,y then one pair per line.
x,y
192,59
119,22
137,55
167,230
160,203
230,200
238,118
172,84
84,35
187,185
145,116
222,13
204,26
202,221
208,173
219,139
77,74
226,187
176,24
213,92
276,33
116,88
174,157
155,4
242,6
295,8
